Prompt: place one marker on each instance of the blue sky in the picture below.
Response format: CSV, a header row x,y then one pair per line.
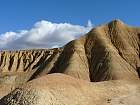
x,y
23,15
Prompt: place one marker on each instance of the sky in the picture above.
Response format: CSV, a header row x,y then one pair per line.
x,y
53,23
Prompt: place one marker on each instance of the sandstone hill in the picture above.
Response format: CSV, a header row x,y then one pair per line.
x,y
100,68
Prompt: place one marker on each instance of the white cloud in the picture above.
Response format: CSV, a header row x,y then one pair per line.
x,y
44,34
89,24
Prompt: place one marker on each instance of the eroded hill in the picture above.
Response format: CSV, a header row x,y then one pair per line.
x,y
108,52
60,89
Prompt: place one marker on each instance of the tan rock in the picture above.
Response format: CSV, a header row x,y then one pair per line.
x,y
103,68
60,89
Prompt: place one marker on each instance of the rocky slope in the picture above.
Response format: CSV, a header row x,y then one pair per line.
x,y
60,89
108,52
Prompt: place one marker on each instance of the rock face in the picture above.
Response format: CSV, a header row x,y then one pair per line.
x,y
103,68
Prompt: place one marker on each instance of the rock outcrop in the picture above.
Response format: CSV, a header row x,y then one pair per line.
x,y
108,54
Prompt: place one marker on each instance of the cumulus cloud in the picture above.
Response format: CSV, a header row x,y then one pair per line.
x,y
44,34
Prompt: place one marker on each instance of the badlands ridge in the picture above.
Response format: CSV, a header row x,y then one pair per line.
x,y
100,68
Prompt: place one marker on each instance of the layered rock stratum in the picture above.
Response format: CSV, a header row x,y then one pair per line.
x,y
100,68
